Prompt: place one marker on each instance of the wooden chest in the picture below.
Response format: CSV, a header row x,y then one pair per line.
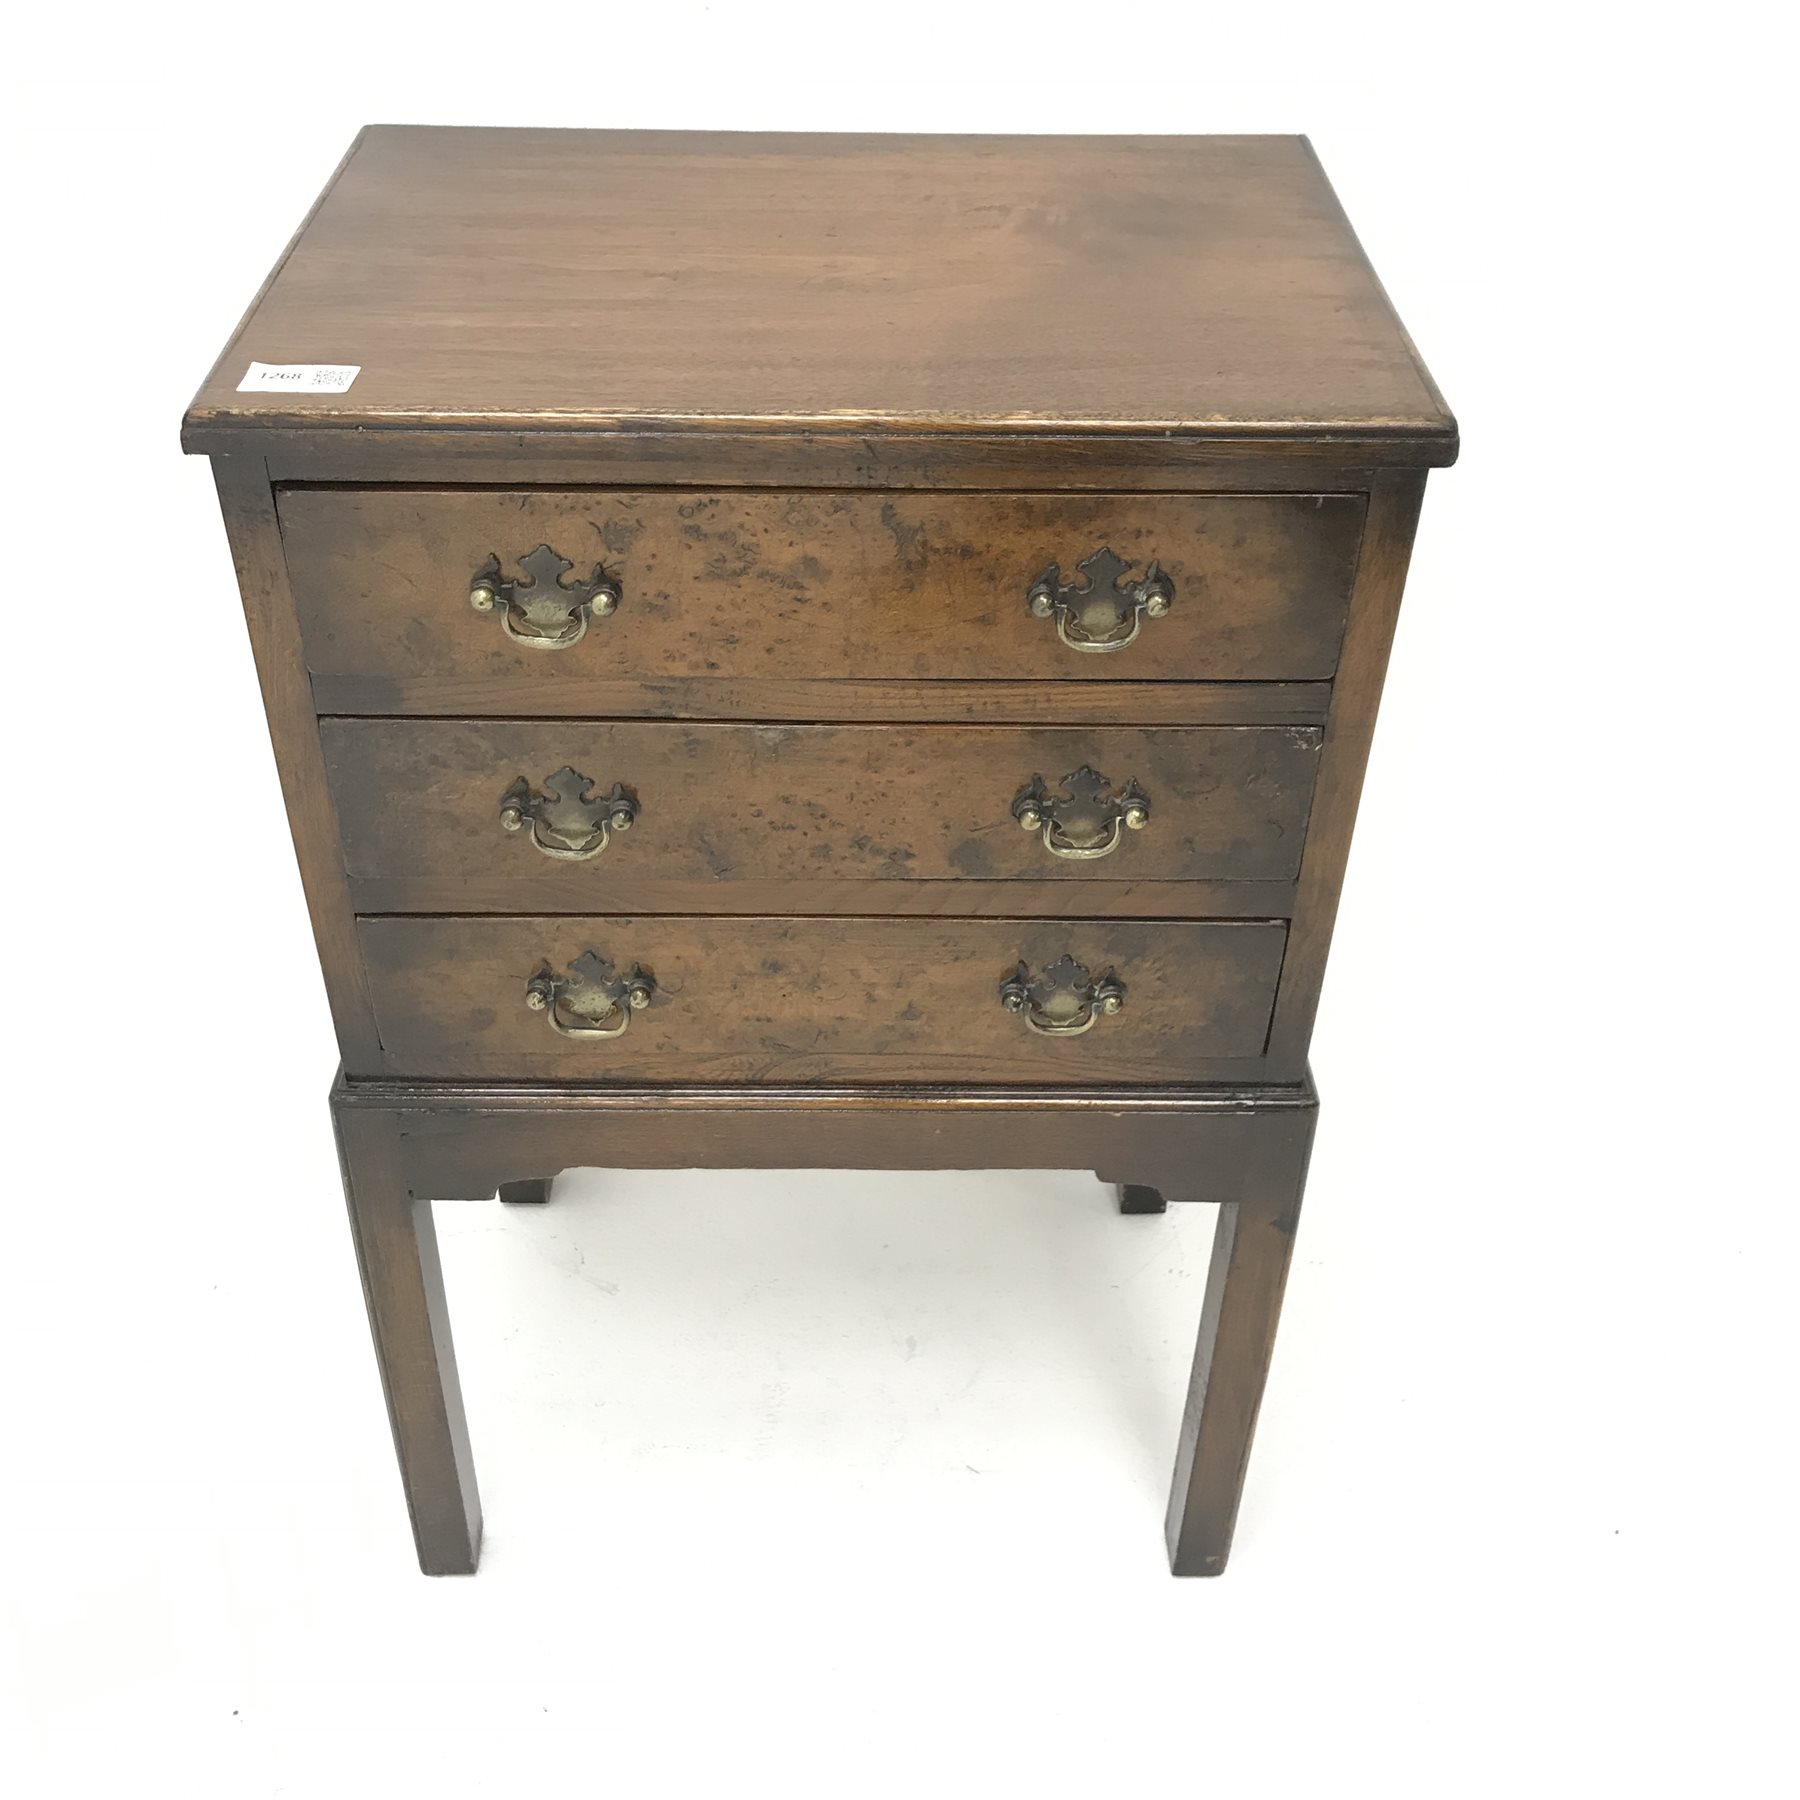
x,y
821,651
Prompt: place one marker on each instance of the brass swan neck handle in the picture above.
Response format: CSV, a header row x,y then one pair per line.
x,y
1064,1000
592,1000
1086,818
571,820
1103,612
543,611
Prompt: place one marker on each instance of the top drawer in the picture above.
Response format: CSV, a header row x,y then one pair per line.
x,y
755,586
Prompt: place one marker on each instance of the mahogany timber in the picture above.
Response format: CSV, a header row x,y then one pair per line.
x,y
845,587
420,800
827,406
778,1000
518,279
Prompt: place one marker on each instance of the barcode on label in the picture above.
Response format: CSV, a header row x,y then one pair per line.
x,y
300,378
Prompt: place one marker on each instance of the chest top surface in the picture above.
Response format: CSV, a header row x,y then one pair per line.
x,y
553,280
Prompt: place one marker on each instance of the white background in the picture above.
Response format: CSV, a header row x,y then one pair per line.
x,y
824,1485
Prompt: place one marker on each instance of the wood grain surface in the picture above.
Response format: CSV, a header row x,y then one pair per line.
x,y
772,1000
409,1320
460,1141
779,700
248,508
1350,731
634,456
825,408
419,798
779,586
525,279
615,890
1253,1245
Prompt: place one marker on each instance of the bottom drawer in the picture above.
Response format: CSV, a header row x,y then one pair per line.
x,y
819,1000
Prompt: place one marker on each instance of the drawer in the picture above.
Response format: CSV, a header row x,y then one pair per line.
x,y
818,586
759,1000
442,802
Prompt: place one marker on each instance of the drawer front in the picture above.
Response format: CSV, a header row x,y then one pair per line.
x,y
760,1000
827,586
539,803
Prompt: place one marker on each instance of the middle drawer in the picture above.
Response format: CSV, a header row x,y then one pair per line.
x,y
427,807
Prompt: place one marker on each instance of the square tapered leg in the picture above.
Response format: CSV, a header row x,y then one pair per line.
x,y
1253,1243
396,1250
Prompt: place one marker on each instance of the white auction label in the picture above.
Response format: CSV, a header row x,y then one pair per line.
x,y
299,378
